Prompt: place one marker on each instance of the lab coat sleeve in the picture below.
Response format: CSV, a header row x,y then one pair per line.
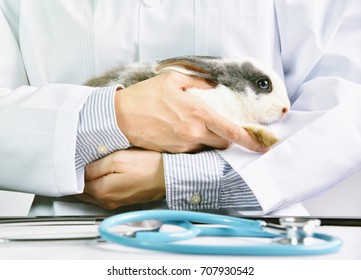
x,y
12,70
37,125
38,131
50,131
322,134
205,181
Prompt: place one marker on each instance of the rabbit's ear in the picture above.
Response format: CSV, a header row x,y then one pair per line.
x,y
200,66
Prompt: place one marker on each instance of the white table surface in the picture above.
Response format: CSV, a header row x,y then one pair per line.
x,y
93,250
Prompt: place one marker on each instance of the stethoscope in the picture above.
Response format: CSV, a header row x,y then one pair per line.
x,y
293,236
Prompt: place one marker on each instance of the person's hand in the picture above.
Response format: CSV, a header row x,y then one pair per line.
x,y
123,178
157,114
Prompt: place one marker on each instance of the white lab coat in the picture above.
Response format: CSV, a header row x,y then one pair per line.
x,y
52,45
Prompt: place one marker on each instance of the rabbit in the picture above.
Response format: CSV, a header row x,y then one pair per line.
x,y
246,91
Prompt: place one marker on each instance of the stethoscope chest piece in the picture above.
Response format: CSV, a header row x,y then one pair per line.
x,y
299,231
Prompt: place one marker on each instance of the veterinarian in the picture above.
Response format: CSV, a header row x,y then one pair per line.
x,y
70,142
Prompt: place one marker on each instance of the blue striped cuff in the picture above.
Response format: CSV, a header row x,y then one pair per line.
x,y
98,132
192,180
234,192
205,181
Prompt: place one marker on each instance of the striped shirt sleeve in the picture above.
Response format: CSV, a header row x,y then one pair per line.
x,y
205,181
98,132
234,192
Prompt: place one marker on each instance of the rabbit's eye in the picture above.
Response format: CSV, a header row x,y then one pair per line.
x,y
264,84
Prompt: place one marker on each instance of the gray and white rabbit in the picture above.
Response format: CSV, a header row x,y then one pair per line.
x,y
246,91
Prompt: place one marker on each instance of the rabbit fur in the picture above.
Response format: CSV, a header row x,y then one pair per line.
x,y
246,91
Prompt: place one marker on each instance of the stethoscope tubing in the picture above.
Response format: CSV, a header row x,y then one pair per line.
x,y
168,242
170,215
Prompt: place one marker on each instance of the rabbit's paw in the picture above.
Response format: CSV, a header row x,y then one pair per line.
x,y
261,134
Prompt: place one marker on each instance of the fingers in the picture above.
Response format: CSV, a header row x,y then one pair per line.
x,y
175,121
86,197
115,190
99,168
214,141
233,133
221,131
105,191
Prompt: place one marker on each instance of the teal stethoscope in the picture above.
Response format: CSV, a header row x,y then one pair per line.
x,y
293,236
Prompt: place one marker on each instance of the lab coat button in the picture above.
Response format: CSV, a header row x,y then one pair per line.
x,y
195,199
102,149
151,3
